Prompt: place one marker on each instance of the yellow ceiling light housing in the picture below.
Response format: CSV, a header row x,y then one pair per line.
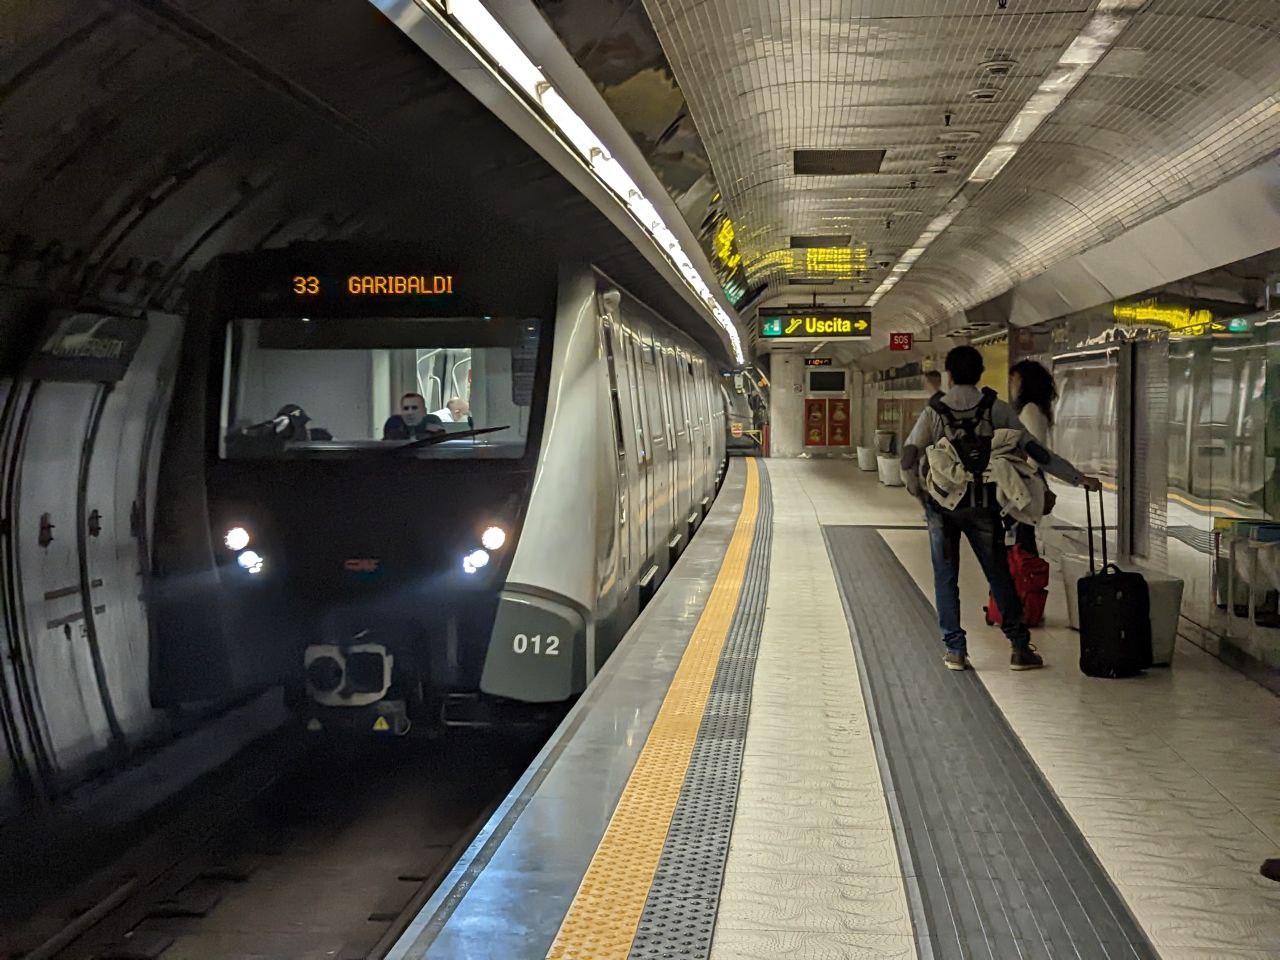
x,y
1174,317
826,262
723,248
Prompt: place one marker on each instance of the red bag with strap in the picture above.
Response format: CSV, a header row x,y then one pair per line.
x,y
1031,581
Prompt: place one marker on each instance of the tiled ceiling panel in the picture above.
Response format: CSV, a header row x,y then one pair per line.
x,y
1187,96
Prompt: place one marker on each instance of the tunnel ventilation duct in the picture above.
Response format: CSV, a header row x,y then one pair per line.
x,y
828,163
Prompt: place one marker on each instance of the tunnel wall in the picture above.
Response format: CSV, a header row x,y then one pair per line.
x,y
79,460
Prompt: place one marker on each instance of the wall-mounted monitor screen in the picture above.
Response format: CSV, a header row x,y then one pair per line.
x,y
826,381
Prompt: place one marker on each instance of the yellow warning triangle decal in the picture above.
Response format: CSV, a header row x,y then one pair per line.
x,y
381,724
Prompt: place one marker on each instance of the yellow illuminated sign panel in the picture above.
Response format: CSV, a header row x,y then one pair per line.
x,y
369,285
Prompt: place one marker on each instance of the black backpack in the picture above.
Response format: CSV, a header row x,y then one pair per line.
x,y
970,435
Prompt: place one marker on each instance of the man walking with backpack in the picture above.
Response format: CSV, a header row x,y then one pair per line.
x,y
967,418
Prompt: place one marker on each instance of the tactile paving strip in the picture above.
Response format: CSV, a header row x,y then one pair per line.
x,y
1003,872
680,913
602,920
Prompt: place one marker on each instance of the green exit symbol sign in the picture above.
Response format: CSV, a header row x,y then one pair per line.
x,y
772,327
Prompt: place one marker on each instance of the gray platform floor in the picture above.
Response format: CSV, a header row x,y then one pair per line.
x,y
1002,870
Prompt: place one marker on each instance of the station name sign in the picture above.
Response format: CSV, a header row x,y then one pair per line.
x,y
363,285
815,324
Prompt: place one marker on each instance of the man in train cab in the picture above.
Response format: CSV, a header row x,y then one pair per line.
x,y
968,418
412,422
933,383
455,411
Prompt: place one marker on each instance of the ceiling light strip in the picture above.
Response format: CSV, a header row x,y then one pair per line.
x,y
504,54
1109,18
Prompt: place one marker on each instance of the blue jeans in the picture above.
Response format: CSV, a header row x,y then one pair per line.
x,y
985,533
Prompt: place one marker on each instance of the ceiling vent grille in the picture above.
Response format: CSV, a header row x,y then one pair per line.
x,y
998,67
816,240
829,163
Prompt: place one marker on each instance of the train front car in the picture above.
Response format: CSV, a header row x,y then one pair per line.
x,y
346,476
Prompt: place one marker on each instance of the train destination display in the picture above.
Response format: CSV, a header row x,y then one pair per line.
x,y
815,324
393,285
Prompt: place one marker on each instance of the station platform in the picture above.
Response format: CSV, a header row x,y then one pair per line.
x,y
776,763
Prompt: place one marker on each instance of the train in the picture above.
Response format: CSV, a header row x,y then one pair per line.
x,y
415,488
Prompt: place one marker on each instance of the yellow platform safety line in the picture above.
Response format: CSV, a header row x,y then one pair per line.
x,y
602,919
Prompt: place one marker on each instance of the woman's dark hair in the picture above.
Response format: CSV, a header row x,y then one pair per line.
x,y
1036,386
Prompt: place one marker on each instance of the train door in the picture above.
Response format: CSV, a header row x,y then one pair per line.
x,y
680,398
659,453
642,497
662,368
708,424
627,559
699,421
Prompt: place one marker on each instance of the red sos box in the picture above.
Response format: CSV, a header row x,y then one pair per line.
x,y
900,341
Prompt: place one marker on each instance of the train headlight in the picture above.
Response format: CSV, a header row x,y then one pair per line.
x,y
237,538
251,561
493,538
474,560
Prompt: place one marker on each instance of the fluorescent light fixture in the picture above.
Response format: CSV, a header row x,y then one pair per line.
x,y
480,25
1090,45
505,55
993,162
571,126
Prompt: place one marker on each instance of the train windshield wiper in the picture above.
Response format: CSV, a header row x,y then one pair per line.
x,y
442,437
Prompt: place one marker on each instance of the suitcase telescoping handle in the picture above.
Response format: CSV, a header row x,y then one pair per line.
x,y
1102,520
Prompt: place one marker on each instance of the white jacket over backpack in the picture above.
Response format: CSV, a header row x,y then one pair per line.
x,y
1019,488
924,445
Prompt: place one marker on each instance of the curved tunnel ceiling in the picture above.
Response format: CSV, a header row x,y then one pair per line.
x,y
1188,95
139,138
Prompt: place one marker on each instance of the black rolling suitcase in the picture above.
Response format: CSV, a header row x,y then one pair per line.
x,y
1115,614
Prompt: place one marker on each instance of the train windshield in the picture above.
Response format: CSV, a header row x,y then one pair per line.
x,y
452,388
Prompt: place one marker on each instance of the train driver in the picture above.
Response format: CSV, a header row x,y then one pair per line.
x,y
412,422
455,411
